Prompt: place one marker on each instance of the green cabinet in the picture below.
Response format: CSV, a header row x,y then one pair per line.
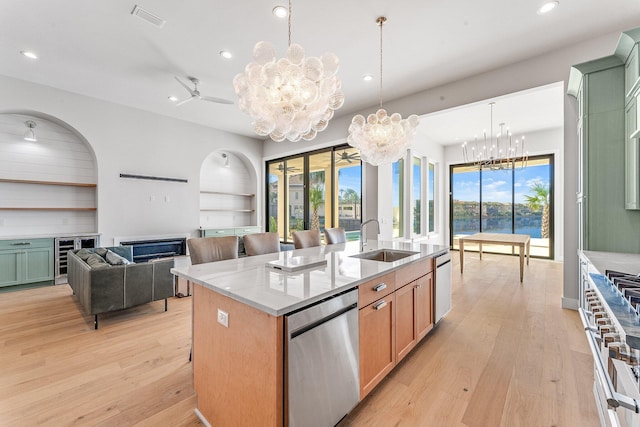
x,y
234,231
631,157
26,261
604,222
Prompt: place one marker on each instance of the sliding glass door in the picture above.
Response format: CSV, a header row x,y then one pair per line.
x,y
515,200
314,191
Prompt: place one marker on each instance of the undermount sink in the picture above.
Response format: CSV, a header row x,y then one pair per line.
x,y
384,255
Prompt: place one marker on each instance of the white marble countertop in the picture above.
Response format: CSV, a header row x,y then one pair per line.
x,y
276,292
624,262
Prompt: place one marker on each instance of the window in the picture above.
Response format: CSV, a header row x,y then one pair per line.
x,y
411,187
314,191
514,200
431,191
397,179
416,211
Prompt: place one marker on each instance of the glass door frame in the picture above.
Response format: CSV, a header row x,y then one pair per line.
x,y
551,158
307,212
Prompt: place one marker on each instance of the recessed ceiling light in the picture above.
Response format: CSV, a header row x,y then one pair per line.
x,y
367,78
547,7
226,54
280,11
29,54
173,98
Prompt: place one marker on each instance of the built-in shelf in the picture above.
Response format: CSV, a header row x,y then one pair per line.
x,y
55,183
227,193
27,181
47,209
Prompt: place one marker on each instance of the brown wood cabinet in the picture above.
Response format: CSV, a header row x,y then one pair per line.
x,y
424,305
392,326
406,336
377,342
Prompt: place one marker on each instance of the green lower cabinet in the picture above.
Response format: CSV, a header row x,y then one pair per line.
x,y
10,268
30,261
39,265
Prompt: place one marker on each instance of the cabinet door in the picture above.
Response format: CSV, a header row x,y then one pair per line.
x,y
10,267
377,339
38,265
631,73
424,305
406,304
632,158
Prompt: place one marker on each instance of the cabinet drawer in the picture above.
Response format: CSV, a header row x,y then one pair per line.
x,y
26,243
241,231
375,289
413,271
217,232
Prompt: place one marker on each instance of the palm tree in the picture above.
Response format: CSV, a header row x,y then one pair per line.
x,y
540,200
316,197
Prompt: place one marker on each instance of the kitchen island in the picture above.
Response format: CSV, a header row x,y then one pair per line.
x,y
240,308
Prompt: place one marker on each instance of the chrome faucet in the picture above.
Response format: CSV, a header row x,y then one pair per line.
x,y
363,240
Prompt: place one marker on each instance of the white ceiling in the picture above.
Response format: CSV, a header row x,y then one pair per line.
x,y
98,49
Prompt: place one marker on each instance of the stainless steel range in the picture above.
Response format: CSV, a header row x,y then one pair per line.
x,y
610,313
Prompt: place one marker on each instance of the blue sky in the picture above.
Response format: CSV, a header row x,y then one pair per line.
x,y
497,184
350,178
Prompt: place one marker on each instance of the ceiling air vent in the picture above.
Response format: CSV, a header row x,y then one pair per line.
x,y
145,15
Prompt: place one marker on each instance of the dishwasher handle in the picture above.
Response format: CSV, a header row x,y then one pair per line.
x,y
309,326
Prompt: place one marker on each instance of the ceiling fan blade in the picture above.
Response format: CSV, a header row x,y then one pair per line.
x,y
217,100
184,85
184,101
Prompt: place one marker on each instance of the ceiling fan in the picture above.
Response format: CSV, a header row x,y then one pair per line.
x,y
289,168
347,157
195,93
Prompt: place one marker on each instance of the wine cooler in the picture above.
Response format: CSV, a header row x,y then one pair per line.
x,y
64,244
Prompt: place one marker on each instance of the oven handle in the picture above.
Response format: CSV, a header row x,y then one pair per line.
x,y
614,399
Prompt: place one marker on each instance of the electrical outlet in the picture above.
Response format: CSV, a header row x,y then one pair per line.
x,y
223,318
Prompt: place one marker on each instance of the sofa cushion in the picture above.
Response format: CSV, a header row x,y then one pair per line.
x,y
115,259
96,261
83,253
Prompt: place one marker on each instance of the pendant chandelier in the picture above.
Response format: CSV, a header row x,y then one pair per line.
x,y
290,98
495,154
382,138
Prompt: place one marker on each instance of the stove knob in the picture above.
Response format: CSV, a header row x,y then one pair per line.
x,y
606,329
599,315
609,338
619,350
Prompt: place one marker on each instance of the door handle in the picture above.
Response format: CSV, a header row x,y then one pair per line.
x,y
379,306
380,287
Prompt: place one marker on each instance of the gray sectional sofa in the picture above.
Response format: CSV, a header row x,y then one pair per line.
x,y
103,286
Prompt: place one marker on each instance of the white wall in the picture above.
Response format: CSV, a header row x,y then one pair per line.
x,y
58,155
544,142
127,140
538,71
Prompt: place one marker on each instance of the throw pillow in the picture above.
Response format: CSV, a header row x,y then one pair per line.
x,y
83,254
101,251
96,261
115,259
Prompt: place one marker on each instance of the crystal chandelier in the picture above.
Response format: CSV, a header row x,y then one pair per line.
x,y
495,154
290,98
382,138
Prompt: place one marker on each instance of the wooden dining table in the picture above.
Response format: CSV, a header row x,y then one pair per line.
x,y
522,241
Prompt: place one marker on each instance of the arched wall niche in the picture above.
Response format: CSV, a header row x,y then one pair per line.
x,y
228,191
48,186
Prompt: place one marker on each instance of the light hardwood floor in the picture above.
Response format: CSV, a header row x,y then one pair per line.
x,y
506,355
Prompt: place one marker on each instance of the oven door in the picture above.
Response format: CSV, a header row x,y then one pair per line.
x,y
615,409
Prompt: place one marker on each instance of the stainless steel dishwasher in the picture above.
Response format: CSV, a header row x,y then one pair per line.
x,y
322,376
442,300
